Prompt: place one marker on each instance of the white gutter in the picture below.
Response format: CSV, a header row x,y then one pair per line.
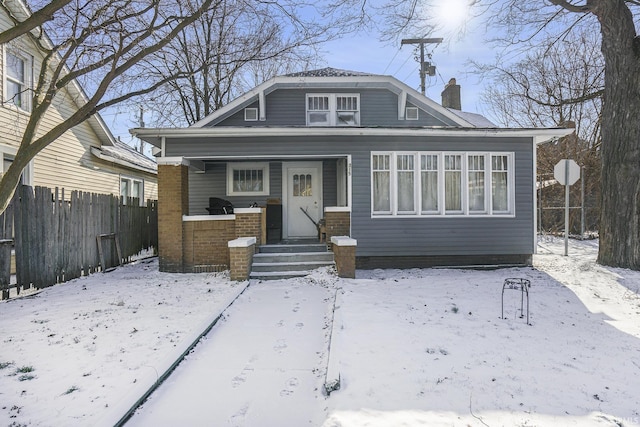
x,y
539,135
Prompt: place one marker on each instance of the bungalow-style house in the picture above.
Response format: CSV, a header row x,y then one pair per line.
x,y
411,182
87,157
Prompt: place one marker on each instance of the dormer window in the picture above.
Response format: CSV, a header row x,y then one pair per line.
x,y
333,109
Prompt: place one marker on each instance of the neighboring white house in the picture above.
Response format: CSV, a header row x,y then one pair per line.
x,y
87,157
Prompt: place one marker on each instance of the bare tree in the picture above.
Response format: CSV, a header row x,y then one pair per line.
x,y
102,44
562,83
219,51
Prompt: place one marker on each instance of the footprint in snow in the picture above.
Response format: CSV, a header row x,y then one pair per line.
x,y
280,345
292,384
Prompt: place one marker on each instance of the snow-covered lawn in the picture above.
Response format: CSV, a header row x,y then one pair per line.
x,y
412,347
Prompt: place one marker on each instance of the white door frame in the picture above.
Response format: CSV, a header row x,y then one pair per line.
x,y
285,189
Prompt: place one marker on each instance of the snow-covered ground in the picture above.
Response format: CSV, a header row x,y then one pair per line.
x,y
411,347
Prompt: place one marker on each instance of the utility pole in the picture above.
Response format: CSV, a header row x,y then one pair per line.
x,y
141,125
425,67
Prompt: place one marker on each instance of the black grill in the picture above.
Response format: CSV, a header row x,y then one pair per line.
x,y
219,206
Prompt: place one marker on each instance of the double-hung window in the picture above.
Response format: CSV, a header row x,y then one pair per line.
x,y
442,184
131,187
18,78
333,109
381,183
476,183
500,183
429,183
405,183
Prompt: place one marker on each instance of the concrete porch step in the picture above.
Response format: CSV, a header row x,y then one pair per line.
x,y
284,261
272,257
289,266
293,248
278,275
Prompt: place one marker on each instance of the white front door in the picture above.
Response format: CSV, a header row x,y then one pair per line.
x,y
303,202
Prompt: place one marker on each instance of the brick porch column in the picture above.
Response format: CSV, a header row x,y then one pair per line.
x,y
337,221
241,257
344,253
173,203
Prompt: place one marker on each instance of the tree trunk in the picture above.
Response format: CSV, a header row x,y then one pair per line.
x,y
620,213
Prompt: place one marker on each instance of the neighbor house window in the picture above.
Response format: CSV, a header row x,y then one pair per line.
x,y
131,187
18,78
333,109
247,179
442,184
7,156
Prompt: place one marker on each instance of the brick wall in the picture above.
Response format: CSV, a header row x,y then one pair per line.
x,y
205,244
173,202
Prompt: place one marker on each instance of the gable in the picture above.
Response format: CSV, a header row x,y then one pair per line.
x,y
282,101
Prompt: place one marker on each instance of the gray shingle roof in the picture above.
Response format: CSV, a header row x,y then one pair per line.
x,y
329,72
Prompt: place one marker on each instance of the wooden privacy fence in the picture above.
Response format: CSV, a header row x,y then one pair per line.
x,y
57,240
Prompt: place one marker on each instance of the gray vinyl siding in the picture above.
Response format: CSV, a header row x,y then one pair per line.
x,y
378,107
406,236
213,183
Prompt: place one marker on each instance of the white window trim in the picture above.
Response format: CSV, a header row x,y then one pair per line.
x,y
244,166
131,180
407,116
333,111
442,213
10,152
247,118
28,76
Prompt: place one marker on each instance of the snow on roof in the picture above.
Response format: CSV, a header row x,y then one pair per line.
x,y
126,155
329,72
475,119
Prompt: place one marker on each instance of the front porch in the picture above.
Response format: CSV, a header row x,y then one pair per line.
x,y
201,243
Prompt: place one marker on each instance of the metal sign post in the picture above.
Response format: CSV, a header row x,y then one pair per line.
x,y
566,172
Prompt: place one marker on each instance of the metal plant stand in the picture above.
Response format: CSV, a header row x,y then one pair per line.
x,y
521,285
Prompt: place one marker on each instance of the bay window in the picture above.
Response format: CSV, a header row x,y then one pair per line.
x,y
442,184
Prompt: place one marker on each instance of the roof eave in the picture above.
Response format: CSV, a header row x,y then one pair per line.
x,y
154,136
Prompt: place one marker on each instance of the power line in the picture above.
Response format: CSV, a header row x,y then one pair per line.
x,y
394,57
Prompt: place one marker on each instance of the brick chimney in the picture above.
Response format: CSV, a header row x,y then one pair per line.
x,y
451,95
